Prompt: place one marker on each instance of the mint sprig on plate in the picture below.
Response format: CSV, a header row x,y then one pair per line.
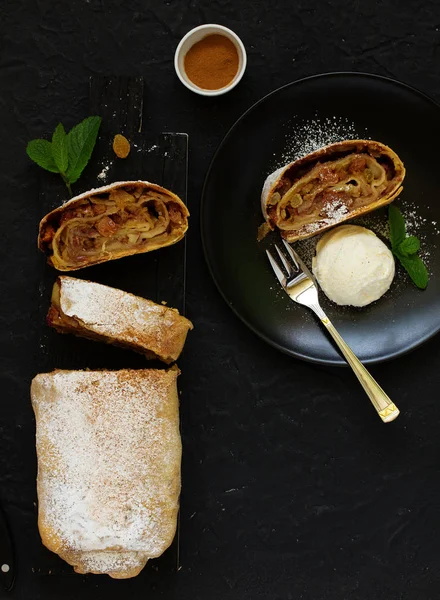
x,y
67,153
405,248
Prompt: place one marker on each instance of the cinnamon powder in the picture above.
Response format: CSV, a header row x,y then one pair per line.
x,y
212,63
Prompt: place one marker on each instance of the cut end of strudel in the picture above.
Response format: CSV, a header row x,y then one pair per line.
x,y
109,454
110,222
107,314
329,186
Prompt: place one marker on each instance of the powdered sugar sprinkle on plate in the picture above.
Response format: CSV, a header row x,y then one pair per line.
x,y
307,136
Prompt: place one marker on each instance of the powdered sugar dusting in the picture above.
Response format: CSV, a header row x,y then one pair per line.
x,y
125,317
107,562
109,464
422,227
102,176
334,212
377,221
307,136
416,224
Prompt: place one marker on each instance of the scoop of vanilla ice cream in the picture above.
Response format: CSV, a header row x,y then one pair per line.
x,y
353,266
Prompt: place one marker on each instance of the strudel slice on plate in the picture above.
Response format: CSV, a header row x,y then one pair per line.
x,y
329,186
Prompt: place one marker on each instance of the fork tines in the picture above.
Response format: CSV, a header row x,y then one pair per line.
x,y
293,255
286,264
295,270
291,269
276,269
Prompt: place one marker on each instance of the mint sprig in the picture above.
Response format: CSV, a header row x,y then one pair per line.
x,y
405,248
67,154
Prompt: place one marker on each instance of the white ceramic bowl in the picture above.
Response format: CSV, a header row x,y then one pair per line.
x,y
195,35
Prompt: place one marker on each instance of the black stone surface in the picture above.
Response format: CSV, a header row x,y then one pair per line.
x,y
292,488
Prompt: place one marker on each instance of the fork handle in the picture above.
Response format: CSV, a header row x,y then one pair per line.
x,y
386,409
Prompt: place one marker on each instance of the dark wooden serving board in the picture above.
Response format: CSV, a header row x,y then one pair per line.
x,y
159,276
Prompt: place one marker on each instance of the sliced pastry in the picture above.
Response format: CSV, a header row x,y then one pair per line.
x,y
109,453
110,222
329,186
110,315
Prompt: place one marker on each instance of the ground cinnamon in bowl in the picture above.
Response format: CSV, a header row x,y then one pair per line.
x,y
212,63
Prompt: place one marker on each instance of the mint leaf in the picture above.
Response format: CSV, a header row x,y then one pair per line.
x,y
415,268
40,151
397,226
406,248
80,143
409,246
59,148
69,153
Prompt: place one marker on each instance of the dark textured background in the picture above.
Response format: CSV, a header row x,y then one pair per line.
x,y
292,488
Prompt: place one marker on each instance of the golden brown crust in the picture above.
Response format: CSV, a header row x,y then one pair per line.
x,y
279,190
106,314
109,452
174,220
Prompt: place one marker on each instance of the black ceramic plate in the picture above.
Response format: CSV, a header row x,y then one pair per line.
x,y
359,105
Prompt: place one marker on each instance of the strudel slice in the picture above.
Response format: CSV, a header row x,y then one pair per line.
x,y
110,315
109,453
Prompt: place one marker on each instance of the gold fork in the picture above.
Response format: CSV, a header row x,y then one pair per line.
x,y
299,284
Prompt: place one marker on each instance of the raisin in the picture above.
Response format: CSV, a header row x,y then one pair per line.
x,y
121,146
